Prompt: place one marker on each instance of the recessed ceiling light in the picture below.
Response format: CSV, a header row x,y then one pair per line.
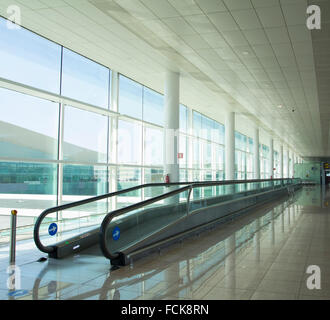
x,y
280,106
245,53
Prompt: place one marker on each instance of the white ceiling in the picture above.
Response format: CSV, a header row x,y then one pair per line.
x,y
248,56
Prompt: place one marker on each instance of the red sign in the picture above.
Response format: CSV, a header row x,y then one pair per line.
x,y
180,155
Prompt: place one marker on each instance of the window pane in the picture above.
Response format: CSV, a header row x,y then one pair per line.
x,y
80,180
29,59
183,151
197,123
154,141
129,142
219,157
28,178
207,154
153,176
35,185
207,177
28,126
153,107
196,154
250,145
183,118
207,127
130,97
84,79
183,175
222,134
216,132
85,136
127,178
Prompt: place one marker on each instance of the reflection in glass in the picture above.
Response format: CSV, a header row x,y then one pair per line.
x,y
81,180
28,126
84,79
27,187
29,59
129,142
183,118
153,107
153,143
85,136
130,97
128,177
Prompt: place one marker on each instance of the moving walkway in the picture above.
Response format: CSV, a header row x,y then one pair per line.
x,y
127,228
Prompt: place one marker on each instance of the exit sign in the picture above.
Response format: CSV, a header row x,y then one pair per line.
x,y
180,155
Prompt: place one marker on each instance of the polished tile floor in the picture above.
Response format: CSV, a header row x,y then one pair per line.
x,y
262,255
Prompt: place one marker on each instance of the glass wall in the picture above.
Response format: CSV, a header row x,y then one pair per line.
x,y
290,168
243,157
84,136
29,59
285,165
130,98
140,138
28,126
201,149
264,161
249,159
28,153
53,152
60,153
85,80
277,165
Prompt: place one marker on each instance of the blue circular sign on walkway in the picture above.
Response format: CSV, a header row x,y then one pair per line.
x,y
116,234
18,293
52,230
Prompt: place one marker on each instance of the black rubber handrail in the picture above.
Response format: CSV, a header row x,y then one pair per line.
x,y
50,249
108,218
42,216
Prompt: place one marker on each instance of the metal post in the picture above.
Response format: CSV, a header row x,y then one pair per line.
x,y
13,237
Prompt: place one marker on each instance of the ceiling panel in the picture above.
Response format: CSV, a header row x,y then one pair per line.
x,y
161,8
278,35
238,4
247,19
201,23
271,17
246,56
209,6
223,21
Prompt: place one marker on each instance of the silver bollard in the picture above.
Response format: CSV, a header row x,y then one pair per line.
x,y
12,255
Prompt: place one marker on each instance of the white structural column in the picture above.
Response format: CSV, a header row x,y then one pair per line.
x,y
292,164
287,173
256,155
271,158
113,138
281,162
171,125
230,145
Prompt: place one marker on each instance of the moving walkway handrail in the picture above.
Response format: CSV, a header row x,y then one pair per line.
x,y
108,218
42,216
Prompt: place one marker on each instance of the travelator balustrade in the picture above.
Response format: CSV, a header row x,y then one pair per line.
x,y
166,210
214,251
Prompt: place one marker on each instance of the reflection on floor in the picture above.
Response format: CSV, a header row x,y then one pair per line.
x,y
263,255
